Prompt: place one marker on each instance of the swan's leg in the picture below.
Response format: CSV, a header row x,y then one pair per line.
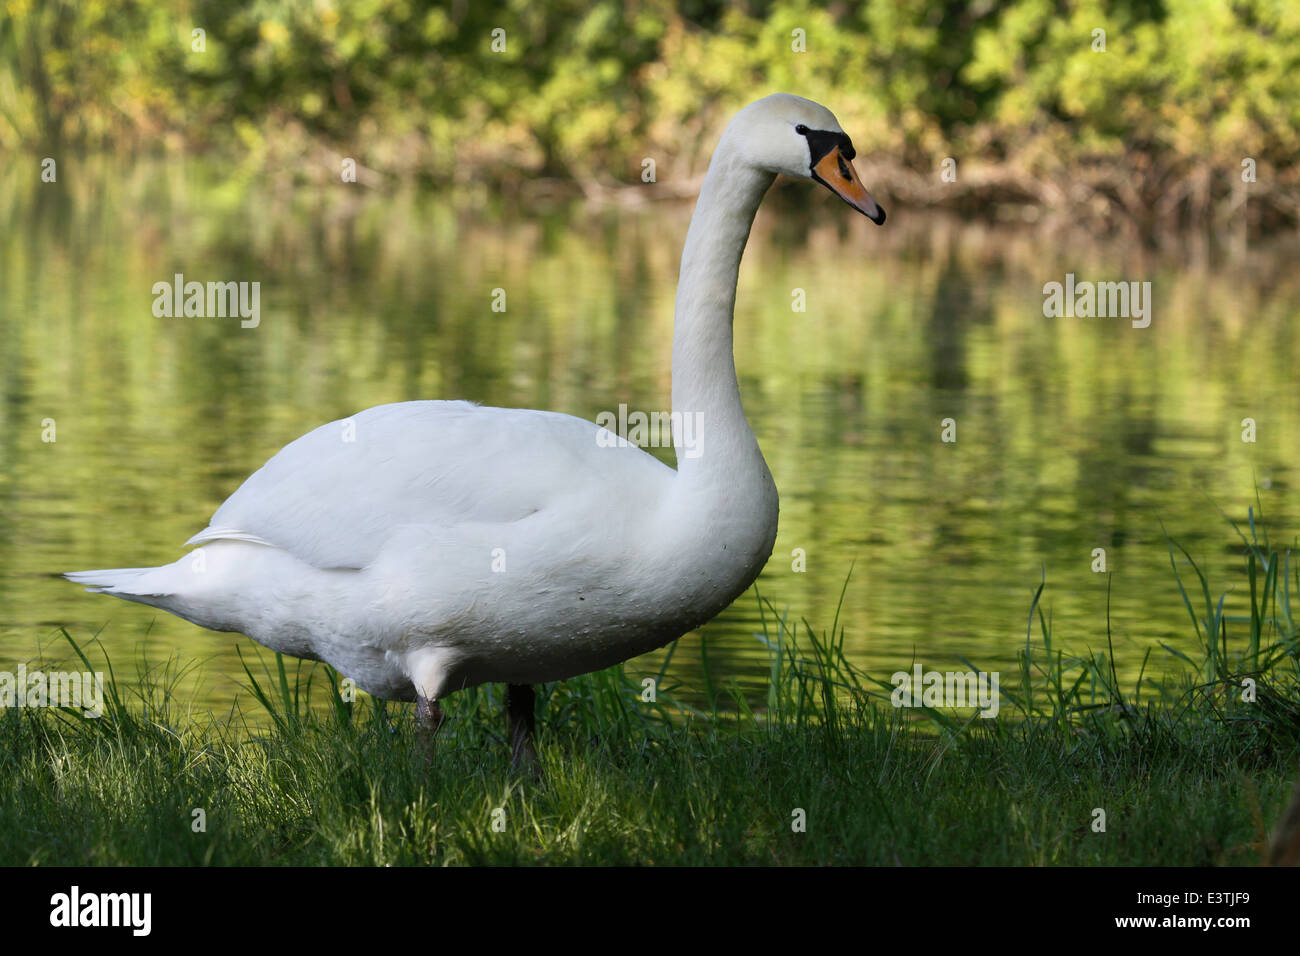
x,y
428,670
428,718
522,723
429,714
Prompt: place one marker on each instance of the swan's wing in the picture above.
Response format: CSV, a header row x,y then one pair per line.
x,y
334,496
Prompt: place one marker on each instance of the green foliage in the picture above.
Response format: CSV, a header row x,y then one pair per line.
x,y
1158,123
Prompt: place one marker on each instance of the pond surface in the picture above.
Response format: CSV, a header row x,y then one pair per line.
x,y
1072,434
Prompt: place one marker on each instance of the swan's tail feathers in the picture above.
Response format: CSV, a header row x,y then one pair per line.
x,y
181,588
132,584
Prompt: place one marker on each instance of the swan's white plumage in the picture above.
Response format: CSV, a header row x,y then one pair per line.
x,y
334,497
422,547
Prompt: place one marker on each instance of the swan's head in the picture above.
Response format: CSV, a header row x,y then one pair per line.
x,y
788,134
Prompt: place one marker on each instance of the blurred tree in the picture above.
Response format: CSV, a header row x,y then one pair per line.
x,y
1153,120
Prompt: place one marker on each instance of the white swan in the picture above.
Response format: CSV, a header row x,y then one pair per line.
x,y
423,547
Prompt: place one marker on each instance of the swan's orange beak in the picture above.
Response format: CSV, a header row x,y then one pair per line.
x,y
838,175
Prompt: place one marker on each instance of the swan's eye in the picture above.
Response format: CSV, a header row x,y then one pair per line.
x,y
801,130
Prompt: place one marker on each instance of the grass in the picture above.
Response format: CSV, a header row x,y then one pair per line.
x,y
1187,772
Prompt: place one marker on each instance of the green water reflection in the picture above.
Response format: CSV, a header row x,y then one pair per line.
x,y
1072,434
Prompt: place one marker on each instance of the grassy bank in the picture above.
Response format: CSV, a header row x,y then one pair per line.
x,y
1186,770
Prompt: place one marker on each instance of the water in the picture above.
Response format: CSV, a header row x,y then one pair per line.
x,y
1072,434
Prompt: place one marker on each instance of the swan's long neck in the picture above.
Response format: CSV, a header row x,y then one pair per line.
x,y
706,394
721,519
